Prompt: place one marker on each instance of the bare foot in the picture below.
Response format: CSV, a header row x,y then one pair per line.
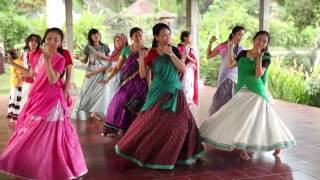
x,y
89,74
201,159
250,153
96,116
244,155
276,152
120,134
80,178
277,162
13,121
111,135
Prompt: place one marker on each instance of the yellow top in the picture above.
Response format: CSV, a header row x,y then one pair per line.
x,y
16,78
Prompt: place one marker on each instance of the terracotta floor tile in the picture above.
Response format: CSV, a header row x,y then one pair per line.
x,y
300,163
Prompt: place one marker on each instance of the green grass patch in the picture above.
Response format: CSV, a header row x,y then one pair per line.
x,y
78,75
5,83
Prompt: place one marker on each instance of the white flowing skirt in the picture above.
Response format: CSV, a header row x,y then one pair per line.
x,y
25,92
112,87
14,102
92,97
246,122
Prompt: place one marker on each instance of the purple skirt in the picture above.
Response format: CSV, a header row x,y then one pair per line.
x,y
223,94
118,116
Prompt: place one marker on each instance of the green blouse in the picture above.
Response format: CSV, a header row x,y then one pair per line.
x,y
165,79
246,74
125,52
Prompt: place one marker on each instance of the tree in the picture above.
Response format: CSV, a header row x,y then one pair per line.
x,y
13,29
81,28
306,13
21,7
14,24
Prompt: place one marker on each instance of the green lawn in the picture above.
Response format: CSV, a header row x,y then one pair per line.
x,y
78,75
5,80
3,176
5,83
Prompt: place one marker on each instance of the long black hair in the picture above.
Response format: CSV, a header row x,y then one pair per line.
x,y
92,32
263,33
156,31
13,53
184,34
134,30
29,38
233,32
60,32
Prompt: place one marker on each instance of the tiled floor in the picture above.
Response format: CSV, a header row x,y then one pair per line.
x,y
302,163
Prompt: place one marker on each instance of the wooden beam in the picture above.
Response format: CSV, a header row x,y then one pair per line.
x,y
69,39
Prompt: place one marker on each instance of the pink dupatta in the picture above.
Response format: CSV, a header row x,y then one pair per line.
x,y
44,96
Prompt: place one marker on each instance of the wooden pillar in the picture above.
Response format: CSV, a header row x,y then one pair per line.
x,y
193,22
69,39
192,19
69,26
264,14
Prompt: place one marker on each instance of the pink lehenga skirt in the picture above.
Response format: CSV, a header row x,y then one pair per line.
x,y
44,148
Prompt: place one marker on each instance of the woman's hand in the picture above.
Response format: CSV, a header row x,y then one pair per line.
x,y
142,55
76,56
53,76
99,55
213,39
230,44
47,55
89,74
66,93
109,70
103,82
166,49
258,54
9,61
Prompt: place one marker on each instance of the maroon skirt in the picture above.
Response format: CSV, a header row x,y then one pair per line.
x,y
160,139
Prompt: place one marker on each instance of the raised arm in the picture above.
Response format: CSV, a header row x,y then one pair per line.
x,y
101,55
211,53
259,67
85,59
143,69
114,70
26,72
53,76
